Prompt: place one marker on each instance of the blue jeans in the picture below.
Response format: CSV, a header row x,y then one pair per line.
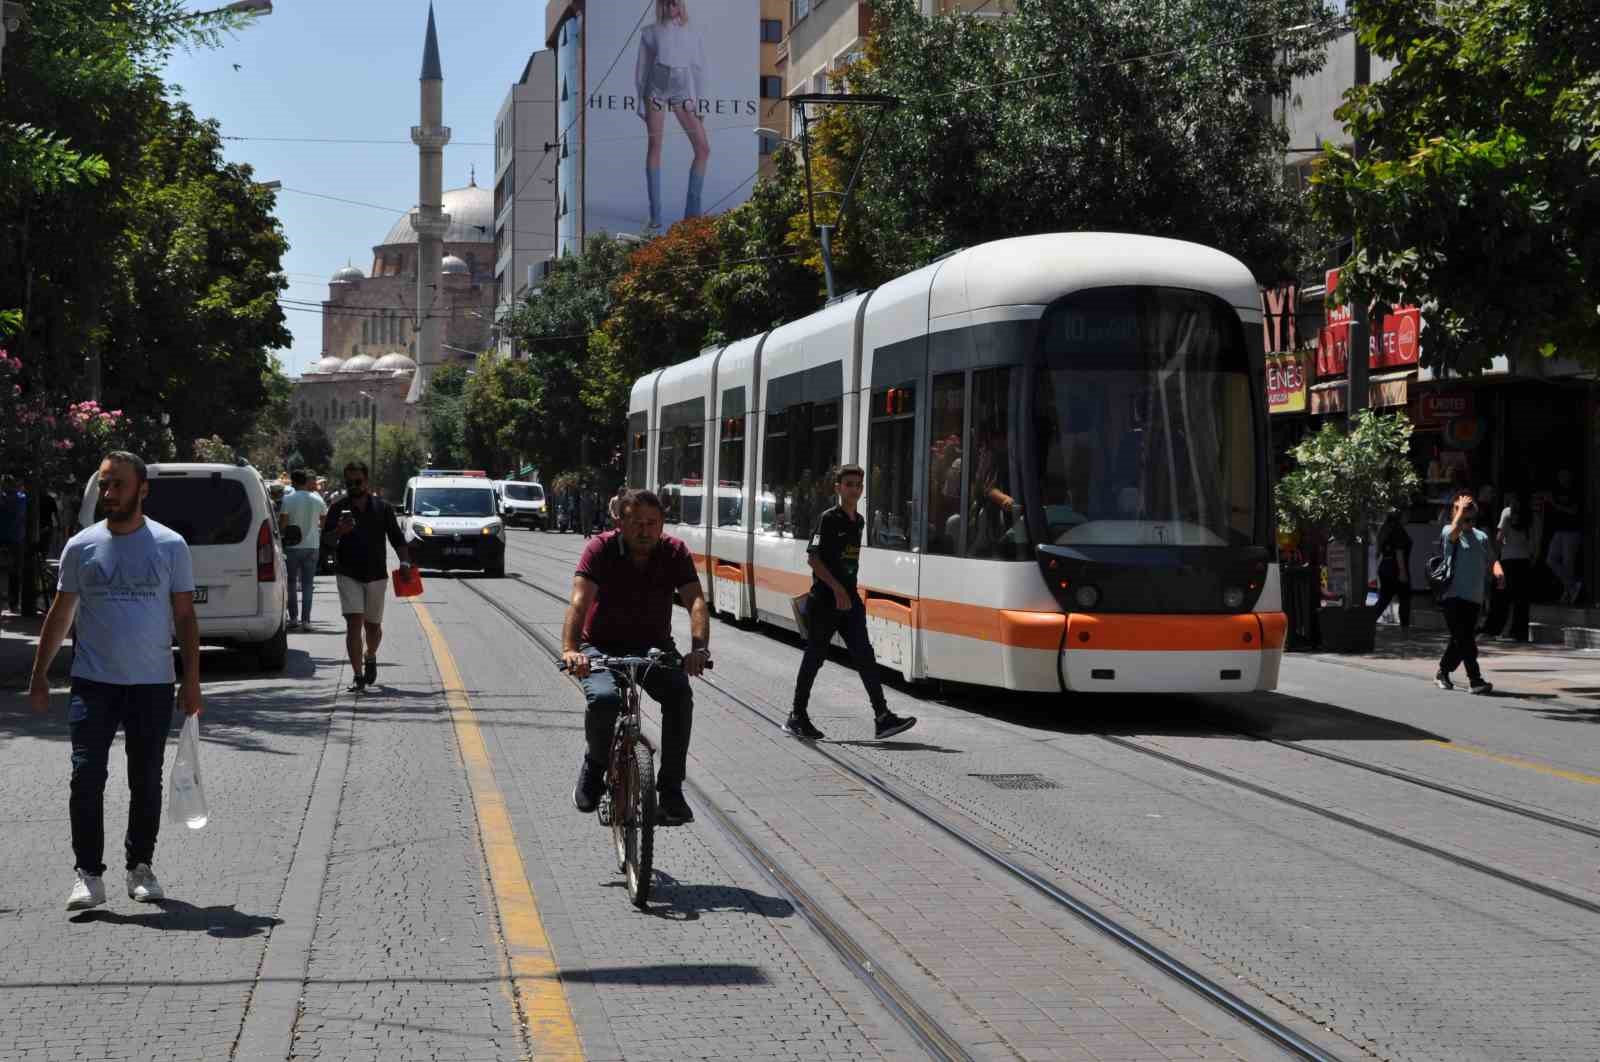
x,y
823,620
302,572
94,712
671,691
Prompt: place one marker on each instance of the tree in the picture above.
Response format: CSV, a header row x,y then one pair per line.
x,y
444,416
552,328
502,414
401,454
763,277
1476,190
1073,115
308,439
658,316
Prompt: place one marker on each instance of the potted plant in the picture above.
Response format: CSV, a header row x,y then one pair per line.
x,y
1345,482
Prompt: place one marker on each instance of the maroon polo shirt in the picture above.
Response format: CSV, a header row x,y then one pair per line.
x,y
633,606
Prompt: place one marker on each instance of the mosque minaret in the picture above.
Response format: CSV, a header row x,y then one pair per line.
x,y
429,219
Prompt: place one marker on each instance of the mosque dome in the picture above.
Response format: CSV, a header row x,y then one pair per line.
x,y
348,275
471,211
454,266
327,363
359,363
395,362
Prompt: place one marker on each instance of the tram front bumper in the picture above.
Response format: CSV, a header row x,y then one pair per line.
x,y
1118,653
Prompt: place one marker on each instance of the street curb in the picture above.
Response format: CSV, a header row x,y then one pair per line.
x,y
267,1034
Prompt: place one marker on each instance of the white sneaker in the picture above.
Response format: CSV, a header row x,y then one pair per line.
x,y
89,891
143,886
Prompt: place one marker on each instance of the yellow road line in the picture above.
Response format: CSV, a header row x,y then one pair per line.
x,y
535,980
1514,761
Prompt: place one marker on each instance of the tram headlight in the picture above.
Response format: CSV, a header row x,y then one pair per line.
x,y
1232,597
1087,596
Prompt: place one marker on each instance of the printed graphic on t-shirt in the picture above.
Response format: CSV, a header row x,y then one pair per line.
x,y
105,580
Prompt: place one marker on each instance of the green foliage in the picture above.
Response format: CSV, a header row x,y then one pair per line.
x,y
310,441
1031,123
443,406
1477,190
1346,483
401,454
502,414
761,278
214,451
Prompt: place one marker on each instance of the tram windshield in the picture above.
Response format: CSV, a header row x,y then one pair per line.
x,y
1143,422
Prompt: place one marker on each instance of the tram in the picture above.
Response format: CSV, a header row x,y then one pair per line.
x,y
1065,446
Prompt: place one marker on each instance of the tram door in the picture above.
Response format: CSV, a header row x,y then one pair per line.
x,y
891,558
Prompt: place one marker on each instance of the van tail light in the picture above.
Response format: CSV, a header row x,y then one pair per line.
x,y
266,570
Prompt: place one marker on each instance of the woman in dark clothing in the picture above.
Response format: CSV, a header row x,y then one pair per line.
x,y
1514,536
1394,566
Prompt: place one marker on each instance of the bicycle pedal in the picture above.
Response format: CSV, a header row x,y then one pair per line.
x,y
604,810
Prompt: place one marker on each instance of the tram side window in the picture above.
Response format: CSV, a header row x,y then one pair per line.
x,y
891,467
995,530
638,449
680,463
802,448
945,463
730,463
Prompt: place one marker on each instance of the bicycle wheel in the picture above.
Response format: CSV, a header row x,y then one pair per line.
x,y
639,819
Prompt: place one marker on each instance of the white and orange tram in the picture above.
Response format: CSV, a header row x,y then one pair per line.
x,y
1065,443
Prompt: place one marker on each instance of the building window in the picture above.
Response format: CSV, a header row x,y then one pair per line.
x,y
772,31
366,331
769,144
771,87
798,9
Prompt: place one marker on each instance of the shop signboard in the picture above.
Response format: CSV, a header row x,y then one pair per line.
x,y
687,76
1436,407
1394,342
1278,309
1286,383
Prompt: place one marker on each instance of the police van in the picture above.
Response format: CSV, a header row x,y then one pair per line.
x,y
452,520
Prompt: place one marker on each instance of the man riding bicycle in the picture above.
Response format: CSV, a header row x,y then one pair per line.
x,y
622,606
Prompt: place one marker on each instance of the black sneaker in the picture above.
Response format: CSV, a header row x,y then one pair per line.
x,y
591,785
799,725
369,674
671,808
888,725
1443,681
1480,687
358,686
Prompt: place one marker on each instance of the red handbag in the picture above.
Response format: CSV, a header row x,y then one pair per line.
x,y
407,582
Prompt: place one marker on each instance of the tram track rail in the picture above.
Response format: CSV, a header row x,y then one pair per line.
x,y
1207,988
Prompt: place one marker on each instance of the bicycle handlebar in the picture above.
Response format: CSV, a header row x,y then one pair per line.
x,y
655,658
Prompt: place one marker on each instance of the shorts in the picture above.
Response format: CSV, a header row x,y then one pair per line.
x,y
364,599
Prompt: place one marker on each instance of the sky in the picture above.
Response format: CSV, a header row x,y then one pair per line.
x,y
347,70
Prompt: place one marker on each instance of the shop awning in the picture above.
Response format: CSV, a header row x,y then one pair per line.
x,y
1384,390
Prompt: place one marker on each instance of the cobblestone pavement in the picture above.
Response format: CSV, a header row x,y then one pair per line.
x,y
1401,953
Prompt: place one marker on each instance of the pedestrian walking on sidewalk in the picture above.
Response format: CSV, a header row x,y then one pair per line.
x,y
833,606
1394,566
300,518
1513,536
356,527
1471,557
130,583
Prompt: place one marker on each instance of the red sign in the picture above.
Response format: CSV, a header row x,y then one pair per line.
x,y
1286,383
1278,309
1436,407
1393,343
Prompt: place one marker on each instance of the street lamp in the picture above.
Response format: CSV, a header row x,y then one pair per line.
x,y
374,434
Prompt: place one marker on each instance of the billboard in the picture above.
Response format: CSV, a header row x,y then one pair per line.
x,y
672,94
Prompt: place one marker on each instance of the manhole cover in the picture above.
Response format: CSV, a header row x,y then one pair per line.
x,y
1016,781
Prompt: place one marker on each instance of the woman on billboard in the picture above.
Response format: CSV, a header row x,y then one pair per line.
x,y
670,76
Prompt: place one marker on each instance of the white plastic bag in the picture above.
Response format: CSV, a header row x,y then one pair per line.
x,y
186,799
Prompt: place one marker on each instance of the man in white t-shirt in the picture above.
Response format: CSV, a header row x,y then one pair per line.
x,y
303,510
130,582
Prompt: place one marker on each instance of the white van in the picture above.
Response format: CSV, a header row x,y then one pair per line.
x,y
454,522
225,515
522,503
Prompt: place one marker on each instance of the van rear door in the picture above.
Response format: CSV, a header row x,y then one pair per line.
x,y
214,515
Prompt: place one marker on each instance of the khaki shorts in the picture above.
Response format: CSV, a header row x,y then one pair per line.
x,y
366,599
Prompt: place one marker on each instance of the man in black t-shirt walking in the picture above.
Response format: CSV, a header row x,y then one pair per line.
x,y
834,606
356,528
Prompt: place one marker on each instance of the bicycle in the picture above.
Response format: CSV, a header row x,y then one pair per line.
x,y
628,805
